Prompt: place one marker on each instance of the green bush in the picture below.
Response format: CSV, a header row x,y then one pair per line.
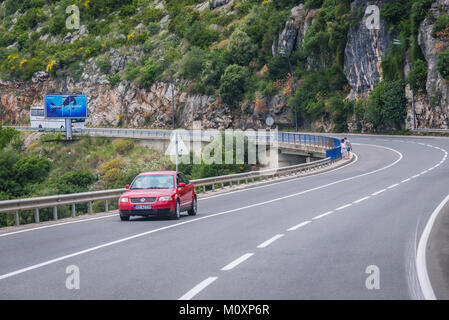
x,y
200,35
441,24
387,105
31,169
417,76
114,80
149,73
73,182
232,86
443,64
6,135
123,146
241,49
192,63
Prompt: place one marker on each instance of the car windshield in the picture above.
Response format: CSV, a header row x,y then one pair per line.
x,y
153,182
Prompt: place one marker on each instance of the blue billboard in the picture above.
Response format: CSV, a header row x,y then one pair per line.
x,y
65,106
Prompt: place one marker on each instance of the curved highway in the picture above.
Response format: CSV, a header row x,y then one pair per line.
x,y
314,237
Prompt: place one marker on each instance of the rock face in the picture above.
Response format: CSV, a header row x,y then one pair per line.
x,y
432,108
293,33
364,52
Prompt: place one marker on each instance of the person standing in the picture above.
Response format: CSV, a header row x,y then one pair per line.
x,y
343,149
348,148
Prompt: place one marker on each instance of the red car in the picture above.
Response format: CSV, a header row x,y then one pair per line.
x,y
158,193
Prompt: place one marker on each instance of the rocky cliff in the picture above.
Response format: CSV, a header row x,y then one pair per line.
x,y
432,107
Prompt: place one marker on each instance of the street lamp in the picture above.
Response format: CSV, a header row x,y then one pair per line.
x,y
172,106
284,53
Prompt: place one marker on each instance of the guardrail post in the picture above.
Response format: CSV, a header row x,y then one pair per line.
x,y
106,205
90,207
73,210
36,215
55,213
16,218
204,188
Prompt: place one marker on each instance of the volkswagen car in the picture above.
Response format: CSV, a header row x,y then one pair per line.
x,y
158,193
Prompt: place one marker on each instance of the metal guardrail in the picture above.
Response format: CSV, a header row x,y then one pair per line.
x,y
430,130
330,146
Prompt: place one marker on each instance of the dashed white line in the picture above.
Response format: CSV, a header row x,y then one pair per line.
x,y
363,199
199,287
237,261
270,241
302,224
323,215
378,192
343,207
406,180
416,176
393,186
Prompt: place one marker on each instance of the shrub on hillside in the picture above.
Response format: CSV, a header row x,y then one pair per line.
x,y
443,64
123,145
233,83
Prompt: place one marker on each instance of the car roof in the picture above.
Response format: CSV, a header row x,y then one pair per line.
x,y
149,173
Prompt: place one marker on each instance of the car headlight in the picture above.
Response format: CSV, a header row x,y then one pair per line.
x,y
165,198
123,199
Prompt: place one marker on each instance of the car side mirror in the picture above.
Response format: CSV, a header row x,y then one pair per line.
x,y
127,186
181,185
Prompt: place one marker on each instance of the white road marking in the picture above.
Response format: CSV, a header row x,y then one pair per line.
x,y
237,261
58,224
406,180
393,186
270,241
421,266
302,224
416,176
378,192
323,215
199,287
344,207
361,200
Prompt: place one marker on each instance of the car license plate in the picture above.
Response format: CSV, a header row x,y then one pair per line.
x,y
142,207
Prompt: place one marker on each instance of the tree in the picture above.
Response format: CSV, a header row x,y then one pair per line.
x,y
443,64
192,64
387,105
232,85
241,49
418,76
31,169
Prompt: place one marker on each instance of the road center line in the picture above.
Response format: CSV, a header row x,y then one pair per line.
x,y
379,192
323,215
302,224
199,287
270,241
344,207
406,180
393,186
237,261
363,199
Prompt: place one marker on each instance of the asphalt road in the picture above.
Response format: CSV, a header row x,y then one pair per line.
x,y
307,238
